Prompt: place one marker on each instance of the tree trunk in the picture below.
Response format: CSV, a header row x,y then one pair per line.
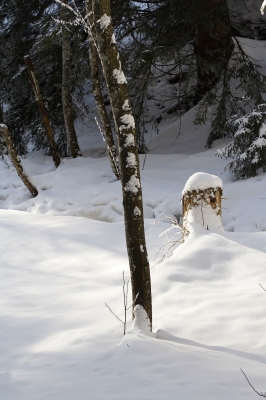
x,y
128,156
43,110
96,84
66,89
213,45
5,134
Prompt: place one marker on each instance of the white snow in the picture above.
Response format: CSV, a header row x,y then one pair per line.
x,y
104,22
141,323
263,7
113,40
131,161
126,106
63,254
202,181
129,140
133,185
137,212
119,76
128,121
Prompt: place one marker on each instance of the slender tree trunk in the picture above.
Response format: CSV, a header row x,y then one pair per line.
x,y
128,155
213,45
43,110
5,134
66,88
95,77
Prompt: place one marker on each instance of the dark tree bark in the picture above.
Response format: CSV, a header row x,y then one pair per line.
x,y
66,89
43,110
213,44
97,92
128,155
15,158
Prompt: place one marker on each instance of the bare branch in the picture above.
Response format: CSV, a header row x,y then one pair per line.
x,y
114,313
262,287
260,394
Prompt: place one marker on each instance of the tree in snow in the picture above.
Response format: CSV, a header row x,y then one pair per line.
x,y
30,27
97,91
43,111
7,142
248,148
128,157
66,86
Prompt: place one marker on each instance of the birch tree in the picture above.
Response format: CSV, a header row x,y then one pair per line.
x,y
128,156
66,88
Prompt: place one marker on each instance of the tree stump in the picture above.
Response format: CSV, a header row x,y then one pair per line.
x,y
201,202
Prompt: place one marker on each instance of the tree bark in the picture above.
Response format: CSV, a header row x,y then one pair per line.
x,y
15,158
66,88
97,92
128,156
213,45
43,110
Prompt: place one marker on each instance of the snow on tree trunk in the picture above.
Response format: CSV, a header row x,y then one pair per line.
x,y
201,201
43,111
128,155
66,91
16,160
97,92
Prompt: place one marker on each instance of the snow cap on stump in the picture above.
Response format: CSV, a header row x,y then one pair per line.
x,y
202,181
201,200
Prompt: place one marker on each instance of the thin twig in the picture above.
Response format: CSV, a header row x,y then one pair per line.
x,y
260,394
133,302
262,287
114,313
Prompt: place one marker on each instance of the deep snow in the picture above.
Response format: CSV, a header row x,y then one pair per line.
x,y
62,258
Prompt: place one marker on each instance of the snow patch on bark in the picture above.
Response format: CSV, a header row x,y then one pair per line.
x,y
141,321
128,122
131,160
104,22
263,7
129,141
113,40
126,106
133,185
137,213
119,76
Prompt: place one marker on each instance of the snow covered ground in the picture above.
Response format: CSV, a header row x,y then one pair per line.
x,y
62,257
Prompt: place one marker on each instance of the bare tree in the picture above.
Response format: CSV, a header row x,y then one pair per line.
x,y
66,86
43,111
97,91
128,156
4,132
